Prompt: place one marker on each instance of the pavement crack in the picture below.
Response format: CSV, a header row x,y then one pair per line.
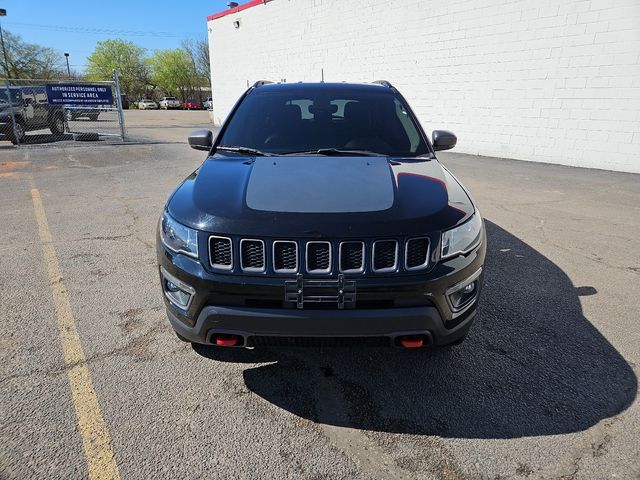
x,y
107,237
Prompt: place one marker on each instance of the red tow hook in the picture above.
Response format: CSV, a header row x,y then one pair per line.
x,y
412,341
223,340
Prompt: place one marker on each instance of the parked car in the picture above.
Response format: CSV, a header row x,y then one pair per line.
x,y
147,104
192,104
91,113
30,109
170,102
208,104
321,214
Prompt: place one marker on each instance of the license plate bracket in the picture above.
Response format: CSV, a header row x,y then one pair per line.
x,y
341,292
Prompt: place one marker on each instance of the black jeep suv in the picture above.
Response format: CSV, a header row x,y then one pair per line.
x,y
26,108
321,215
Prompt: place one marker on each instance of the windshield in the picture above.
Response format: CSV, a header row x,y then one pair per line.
x,y
300,120
15,95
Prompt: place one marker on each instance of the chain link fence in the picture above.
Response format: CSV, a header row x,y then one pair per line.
x,y
54,111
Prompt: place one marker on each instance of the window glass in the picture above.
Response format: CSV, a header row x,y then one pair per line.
x,y
301,119
409,126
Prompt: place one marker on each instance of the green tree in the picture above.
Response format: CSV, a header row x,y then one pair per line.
x,y
29,60
124,56
174,72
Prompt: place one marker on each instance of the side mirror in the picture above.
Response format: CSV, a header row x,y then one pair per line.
x,y
443,140
201,139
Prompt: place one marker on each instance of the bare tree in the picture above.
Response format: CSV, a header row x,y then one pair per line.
x,y
29,60
199,52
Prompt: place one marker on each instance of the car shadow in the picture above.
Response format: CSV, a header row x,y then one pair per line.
x,y
39,138
532,365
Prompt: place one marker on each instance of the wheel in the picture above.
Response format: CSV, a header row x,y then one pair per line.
x,y
455,342
17,133
182,338
57,127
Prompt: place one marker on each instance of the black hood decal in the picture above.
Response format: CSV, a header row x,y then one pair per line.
x,y
320,185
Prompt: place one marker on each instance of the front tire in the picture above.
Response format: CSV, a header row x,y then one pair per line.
x,y
57,126
17,133
456,342
182,339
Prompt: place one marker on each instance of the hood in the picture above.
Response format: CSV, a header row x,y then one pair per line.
x,y
320,196
6,106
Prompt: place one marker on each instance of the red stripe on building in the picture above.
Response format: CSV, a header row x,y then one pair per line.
x,y
237,9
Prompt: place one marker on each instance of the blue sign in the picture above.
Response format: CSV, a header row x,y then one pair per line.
x,y
79,94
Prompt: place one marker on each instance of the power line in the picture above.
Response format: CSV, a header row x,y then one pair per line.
x,y
103,31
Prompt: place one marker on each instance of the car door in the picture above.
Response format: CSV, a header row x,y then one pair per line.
x,y
34,114
25,102
41,107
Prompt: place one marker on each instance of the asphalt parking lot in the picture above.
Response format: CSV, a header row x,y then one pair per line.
x,y
545,386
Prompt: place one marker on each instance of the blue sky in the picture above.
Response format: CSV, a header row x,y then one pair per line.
x,y
69,25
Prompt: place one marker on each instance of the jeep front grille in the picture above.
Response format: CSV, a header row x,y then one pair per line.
x,y
385,255
285,256
352,257
221,253
256,255
252,256
417,253
318,257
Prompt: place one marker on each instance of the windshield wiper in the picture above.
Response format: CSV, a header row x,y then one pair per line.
x,y
245,150
338,152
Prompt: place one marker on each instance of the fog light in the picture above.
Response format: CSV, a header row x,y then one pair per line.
x,y
463,293
470,288
178,292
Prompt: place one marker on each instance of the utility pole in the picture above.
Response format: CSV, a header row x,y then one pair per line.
x,y
68,70
3,13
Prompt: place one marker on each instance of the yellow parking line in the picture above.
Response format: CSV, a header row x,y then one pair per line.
x,y
95,437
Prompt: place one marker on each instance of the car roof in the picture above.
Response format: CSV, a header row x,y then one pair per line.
x,y
25,87
286,87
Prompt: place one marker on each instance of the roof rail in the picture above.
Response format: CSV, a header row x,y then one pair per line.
x,y
384,83
260,83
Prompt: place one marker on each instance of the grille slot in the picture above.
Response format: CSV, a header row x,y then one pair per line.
x,y
385,255
252,256
285,256
352,257
221,253
417,253
318,257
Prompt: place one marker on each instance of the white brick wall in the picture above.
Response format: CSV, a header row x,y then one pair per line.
x,y
554,81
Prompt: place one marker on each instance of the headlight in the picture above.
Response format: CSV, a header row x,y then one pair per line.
x,y
177,237
462,239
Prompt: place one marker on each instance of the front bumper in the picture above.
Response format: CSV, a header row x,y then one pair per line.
x,y
252,324
388,306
